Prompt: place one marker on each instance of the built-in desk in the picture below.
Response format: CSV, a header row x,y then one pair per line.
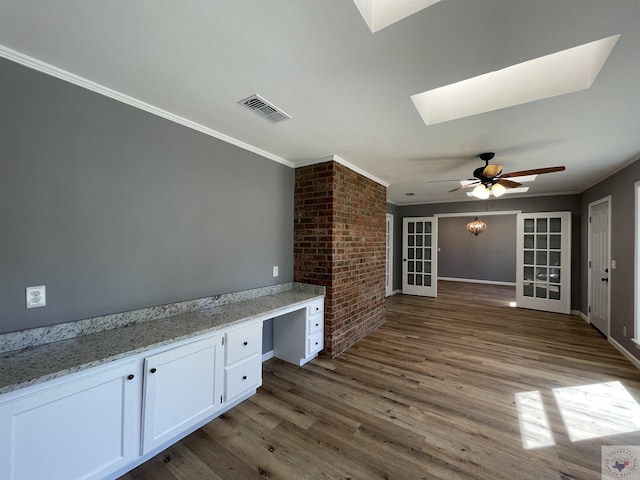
x,y
96,405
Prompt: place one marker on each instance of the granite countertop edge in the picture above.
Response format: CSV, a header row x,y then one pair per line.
x,y
38,364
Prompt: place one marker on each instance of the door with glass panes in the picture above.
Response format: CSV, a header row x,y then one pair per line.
x,y
419,256
543,277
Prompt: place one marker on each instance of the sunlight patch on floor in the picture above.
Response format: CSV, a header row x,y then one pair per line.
x,y
534,424
599,410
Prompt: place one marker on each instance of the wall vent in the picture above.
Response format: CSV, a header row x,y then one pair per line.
x,y
264,109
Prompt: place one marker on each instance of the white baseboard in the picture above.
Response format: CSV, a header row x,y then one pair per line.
x,y
578,313
473,280
267,356
625,352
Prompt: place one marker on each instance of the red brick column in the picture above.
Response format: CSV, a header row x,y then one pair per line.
x,y
339,243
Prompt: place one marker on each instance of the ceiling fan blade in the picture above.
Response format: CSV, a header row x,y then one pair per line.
x,y
509,183
491,171
535,171
465,186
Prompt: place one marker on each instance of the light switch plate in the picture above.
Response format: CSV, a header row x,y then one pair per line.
x,y
275,271
36,296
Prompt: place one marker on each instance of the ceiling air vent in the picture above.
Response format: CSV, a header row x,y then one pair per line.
x,y
264,109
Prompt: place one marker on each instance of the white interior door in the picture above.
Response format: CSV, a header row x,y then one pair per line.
x,y
419,256
599,260
543,277
389,257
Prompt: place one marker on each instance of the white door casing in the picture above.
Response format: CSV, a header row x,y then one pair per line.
x,y
543,247
420,256
389,256
599,264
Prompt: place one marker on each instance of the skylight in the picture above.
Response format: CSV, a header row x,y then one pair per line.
x,y
382,13
556,74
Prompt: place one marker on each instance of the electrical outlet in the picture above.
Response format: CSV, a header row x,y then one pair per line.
x,y
36,296
613,264
275,271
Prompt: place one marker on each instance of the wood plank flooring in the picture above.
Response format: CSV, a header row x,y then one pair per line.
x,y
429,395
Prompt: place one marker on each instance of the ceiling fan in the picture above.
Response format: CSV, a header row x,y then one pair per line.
x,y
490,179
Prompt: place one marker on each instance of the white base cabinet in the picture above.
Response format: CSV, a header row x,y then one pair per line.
x,y
243,360
298,336
182,387
83,428
101,422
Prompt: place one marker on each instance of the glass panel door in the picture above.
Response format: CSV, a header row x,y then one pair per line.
x,y
419,256
544,253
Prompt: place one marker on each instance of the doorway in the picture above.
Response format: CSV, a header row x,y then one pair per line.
x,y
599,264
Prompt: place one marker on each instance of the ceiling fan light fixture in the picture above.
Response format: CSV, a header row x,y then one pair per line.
x,y
476,227
481,192
498,190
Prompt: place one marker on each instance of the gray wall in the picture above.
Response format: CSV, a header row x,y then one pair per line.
x,y
621,188
489,256
116,209
571,203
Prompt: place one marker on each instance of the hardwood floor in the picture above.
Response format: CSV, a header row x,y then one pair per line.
x,y
438,392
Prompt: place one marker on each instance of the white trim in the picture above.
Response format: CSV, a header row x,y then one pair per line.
x,y
67,76
578,313
343,162
478,214
625,352
267,356
619,168
460,200
595,203
473,280
389,260
636,261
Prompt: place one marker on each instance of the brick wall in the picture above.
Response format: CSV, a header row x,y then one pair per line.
x,y
339,242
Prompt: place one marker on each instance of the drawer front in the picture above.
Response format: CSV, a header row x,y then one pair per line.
x,y
243,342
315,323
242,377
315,343
316,307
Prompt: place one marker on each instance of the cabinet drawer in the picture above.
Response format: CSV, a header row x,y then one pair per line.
x,y
242,377
317,307
315,343
243,342
315,324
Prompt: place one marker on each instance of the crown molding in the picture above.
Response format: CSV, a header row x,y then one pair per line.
x,y
341,161
43,67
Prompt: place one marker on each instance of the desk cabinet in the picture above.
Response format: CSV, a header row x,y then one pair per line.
x,y
243,362
67,429
182,386
298,336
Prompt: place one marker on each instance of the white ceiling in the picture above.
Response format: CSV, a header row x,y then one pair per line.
x,y
348,89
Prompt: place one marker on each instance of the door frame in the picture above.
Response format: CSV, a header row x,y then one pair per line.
x,y
563,304
589,258
389,256
406,289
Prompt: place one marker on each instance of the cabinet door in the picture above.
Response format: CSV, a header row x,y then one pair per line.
x,y
81,429
182,387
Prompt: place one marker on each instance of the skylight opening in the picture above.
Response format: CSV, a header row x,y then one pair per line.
x,y
559,73
381,13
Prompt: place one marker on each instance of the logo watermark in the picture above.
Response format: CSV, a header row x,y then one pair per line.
x,y
621,462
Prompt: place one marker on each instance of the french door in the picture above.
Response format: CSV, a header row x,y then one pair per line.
x,y
419,256
543,246
599,260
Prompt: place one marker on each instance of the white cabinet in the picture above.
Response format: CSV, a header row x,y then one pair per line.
x,y
182,387
84,428
298,336
243,360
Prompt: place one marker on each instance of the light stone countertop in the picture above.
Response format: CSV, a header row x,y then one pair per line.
x,y
28,366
